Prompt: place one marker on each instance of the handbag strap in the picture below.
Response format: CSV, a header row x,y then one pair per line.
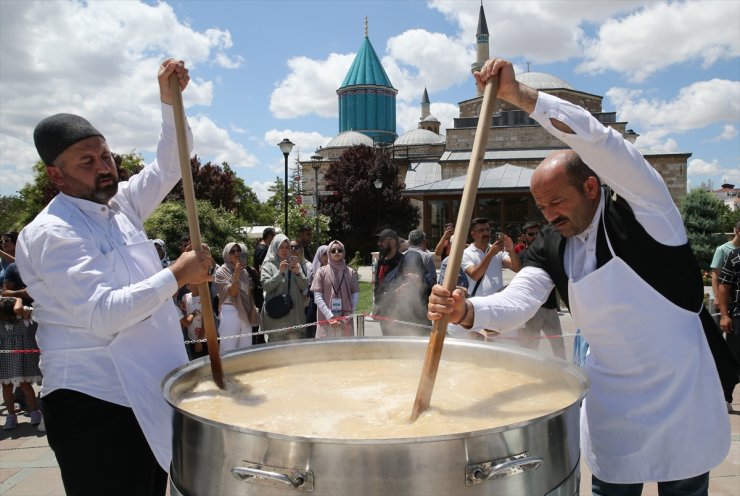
x,y
477,284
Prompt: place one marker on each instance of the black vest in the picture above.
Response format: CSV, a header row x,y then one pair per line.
x,y
671,270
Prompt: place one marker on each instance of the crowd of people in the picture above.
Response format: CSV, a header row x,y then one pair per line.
x,y
109,309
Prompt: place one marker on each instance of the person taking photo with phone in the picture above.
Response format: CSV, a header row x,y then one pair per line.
x,y
283,281
483,261
236,299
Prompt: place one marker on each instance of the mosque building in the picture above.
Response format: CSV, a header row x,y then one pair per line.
x,y
432,167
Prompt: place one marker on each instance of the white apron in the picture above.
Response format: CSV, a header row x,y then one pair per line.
x,y
147,351
655,411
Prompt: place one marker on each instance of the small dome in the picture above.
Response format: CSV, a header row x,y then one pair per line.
x,y
430,118
419,137
349,138
542,81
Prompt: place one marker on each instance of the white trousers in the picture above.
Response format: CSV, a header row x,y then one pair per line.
x,y
232,325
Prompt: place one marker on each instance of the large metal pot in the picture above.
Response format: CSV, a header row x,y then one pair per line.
x,y
531,458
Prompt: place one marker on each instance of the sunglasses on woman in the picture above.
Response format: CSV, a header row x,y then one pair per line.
x,y
294,247
337,250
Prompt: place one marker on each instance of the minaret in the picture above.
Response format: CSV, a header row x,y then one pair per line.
x,y
427,120
481,43
425,104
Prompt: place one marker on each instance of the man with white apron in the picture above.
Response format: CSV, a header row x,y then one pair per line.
x,y
108,329
655,410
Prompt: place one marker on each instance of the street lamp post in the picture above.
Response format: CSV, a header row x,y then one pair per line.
x,y
378,184
237,201
286,146
316,164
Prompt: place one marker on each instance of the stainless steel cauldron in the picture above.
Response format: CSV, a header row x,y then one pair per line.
x,y
532,458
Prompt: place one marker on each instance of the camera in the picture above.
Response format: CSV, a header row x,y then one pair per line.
x,y
243,258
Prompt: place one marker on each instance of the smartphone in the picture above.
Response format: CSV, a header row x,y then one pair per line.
x,y
293,259
243,258
500,236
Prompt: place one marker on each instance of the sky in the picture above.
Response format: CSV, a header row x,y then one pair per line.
x,y
265,70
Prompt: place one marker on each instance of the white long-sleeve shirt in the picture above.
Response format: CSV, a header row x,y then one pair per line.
x,y
82,290
620,165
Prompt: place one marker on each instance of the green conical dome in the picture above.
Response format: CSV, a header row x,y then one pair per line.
x,y
367,100
366,69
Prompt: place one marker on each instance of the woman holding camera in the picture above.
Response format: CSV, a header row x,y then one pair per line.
x,y
234,290
283,282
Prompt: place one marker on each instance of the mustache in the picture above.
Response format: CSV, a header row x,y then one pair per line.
x,y
558,220
105,177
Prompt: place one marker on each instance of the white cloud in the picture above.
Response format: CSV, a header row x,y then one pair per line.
x,y
310,87
714,171
663,34
696,106
408,116
698,167
539,31
260,189
99,60
728,132
13,176
213,143
305,142
731,176
417,58
656,140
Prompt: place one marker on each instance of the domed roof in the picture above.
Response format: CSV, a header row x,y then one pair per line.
x,y
430,118
349,138
542,81
366,69
419,137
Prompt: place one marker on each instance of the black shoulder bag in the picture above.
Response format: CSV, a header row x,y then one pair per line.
x,y
279,306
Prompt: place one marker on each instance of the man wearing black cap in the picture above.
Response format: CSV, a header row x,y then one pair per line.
x,y
108,331
401,290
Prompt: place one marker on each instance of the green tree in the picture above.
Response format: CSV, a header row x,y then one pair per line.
x,y
359,210
169,222
37,194
11,212
729,219
702,213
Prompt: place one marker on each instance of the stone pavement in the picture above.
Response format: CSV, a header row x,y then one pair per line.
x,y
28,466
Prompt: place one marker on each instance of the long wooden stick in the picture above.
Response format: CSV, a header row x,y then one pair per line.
x,y
437,338
209,322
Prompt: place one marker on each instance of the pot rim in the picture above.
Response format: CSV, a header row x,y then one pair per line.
x,y
571,369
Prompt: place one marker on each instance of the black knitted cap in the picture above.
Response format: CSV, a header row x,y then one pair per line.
x,y
58,132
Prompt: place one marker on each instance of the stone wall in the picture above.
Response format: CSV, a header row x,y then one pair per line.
x,y
510,137
592,103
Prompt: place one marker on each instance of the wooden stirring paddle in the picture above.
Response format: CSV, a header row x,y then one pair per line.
x,y
437,338
209,322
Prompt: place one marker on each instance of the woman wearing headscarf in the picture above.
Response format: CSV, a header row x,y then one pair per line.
x,y
281,274
336,292
162,252
296,250
320,259
234,290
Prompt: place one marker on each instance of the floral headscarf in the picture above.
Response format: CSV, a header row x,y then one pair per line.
x,y
223,277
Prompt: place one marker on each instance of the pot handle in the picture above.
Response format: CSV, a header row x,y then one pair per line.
x,y
503,467
297,478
